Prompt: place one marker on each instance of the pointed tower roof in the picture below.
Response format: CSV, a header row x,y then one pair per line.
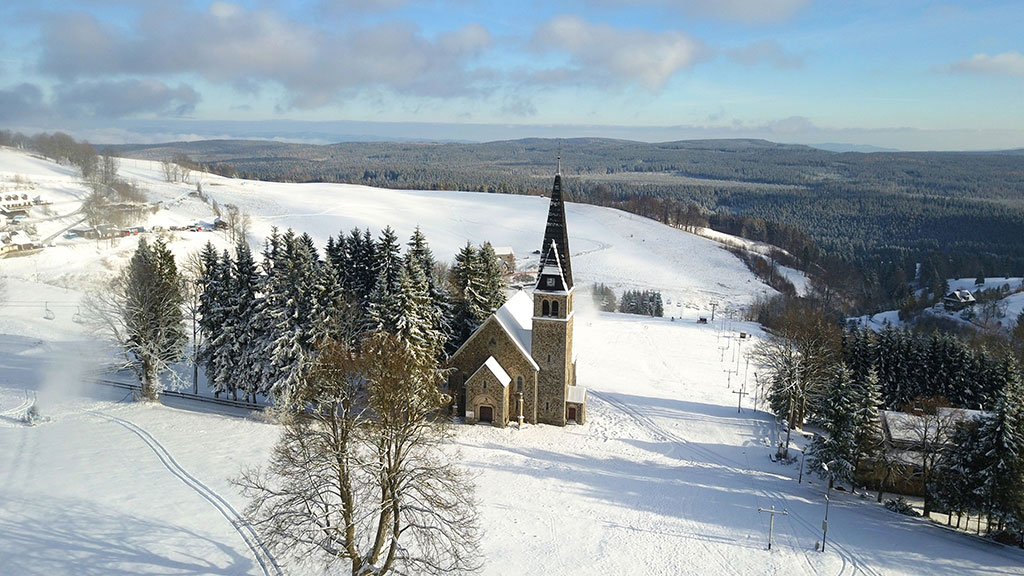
x,y
550,278
555,251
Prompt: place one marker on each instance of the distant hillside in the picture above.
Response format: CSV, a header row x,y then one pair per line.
x,y
885,211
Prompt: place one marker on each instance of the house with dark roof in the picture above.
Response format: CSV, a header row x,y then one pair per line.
x,y
958,300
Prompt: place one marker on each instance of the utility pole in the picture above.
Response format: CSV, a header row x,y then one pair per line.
x,y
713,306
771,521
728,381
739,403
824,523
757,390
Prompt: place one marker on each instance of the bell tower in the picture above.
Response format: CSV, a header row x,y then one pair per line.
x,y
553,315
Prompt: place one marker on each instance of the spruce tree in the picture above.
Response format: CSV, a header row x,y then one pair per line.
x,y
1002,439
219,358
419,255
291,318
383,298
492,277
868,435
153,318
837,416
244,306
471,306
956,486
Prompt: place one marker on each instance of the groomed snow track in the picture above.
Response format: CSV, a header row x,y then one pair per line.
x,y
268,564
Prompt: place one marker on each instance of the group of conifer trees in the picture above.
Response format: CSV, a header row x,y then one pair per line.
x,y
969,463
972,465
912,365
644,302
264,321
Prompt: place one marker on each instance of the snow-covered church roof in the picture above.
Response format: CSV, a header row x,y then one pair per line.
x,y
492,364
516,317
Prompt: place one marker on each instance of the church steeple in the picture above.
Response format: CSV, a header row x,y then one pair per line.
x,y
555,251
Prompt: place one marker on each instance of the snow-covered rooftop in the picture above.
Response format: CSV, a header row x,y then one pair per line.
x,y
492,364
577,395
516,316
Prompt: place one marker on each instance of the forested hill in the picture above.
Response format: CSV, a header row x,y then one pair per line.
x,y
993,175
903,206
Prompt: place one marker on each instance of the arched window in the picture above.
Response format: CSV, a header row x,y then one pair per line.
x,y
544,309
554,308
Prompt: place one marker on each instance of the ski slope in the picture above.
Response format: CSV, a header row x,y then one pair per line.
x,y
665,478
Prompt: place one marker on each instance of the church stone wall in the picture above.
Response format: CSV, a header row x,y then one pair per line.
x,y
485,390
492,340
552,347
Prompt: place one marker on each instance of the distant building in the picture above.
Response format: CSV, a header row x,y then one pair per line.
x,y
958,300
14,244
903,435
507,258
519,365
12,201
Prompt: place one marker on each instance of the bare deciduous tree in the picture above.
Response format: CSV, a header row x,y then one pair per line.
x,y
170,170
928,430
363,472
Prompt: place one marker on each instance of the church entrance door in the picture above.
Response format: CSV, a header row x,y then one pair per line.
x,y
572,412
486,414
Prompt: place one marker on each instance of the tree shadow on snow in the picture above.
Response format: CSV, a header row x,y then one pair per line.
x,y
687,491
48,537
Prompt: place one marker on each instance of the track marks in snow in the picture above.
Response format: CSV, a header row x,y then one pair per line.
x,y
851,564
15,413
263,557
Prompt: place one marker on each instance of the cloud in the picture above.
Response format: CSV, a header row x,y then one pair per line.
x,y
600,53
232,45
751,12
1005,64
790,125
343,7
766,51
20,103
518,106
123,98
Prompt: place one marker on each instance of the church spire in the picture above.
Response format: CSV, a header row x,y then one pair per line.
x,y
556,239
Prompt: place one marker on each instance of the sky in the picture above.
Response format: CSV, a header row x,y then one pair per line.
x,y
909,75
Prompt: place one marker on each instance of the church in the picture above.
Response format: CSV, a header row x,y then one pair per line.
x,y
519,366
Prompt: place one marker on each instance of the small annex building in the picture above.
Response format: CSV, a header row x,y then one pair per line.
x,y
519,365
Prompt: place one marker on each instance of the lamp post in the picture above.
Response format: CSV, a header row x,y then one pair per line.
x,y
824,523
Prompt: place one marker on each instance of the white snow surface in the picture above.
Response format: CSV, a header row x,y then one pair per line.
x,y
665,478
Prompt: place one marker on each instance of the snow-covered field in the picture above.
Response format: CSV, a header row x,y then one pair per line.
x,y
666,477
